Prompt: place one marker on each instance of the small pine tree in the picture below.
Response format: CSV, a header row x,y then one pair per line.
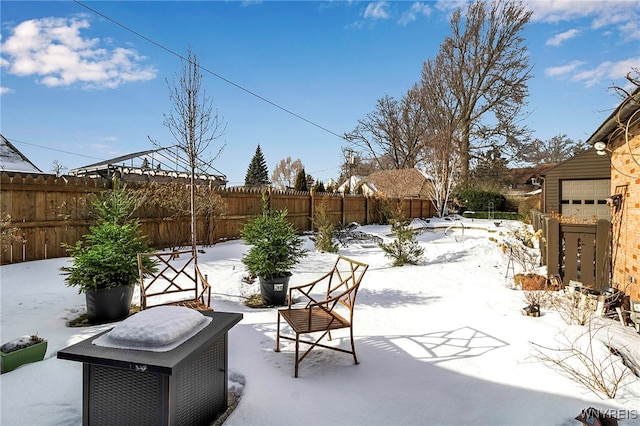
x,y
325,230
257,173
404,249
319,187
301,181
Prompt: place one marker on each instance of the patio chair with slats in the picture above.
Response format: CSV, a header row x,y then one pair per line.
x,y
176,280
329,307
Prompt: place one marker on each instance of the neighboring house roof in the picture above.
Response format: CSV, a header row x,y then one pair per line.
x,y
12,160
527,175
404,183
350,183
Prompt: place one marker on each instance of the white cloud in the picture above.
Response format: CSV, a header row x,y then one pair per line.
x,y
563,69
53,50
558,39
376,10
451,5
623,15
249,3
5,90
416,9
607,70
631,30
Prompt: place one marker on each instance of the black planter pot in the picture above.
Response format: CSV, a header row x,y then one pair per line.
x,y
108,304
274,290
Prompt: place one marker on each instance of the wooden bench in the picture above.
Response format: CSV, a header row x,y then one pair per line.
x,y
175,280
330,303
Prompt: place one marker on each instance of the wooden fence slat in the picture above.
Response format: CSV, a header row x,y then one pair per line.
x,y
49,211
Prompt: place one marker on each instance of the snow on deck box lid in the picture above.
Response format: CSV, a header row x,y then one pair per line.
x,y
157,329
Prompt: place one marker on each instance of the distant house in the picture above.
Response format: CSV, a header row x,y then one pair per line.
x,y
578,187
350,185
157,165
403,183
13,161
525,180
617,142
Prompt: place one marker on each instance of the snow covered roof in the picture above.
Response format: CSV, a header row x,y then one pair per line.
x,y
12,160
350,183
402,183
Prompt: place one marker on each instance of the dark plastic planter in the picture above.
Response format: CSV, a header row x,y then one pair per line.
x,y
108,304
274,291
33,353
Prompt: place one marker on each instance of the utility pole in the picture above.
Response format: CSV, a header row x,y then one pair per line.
x,y
350,161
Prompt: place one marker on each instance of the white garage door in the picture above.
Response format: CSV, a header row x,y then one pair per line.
x,y
585,199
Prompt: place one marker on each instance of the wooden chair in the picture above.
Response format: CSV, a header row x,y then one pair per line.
x,y
177,280
330,305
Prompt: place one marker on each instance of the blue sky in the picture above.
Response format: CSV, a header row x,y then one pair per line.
x,y
78,88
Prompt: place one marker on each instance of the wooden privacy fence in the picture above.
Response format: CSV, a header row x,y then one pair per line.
x,y
575,251
49,211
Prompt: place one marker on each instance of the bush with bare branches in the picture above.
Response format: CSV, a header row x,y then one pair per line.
x,y
575,307
588,358
7,232
173,199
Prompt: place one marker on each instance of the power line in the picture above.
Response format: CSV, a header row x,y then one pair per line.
x,y
53,149
244,89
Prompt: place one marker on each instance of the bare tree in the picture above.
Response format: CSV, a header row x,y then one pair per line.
x,y
353,164
285,172
441,142
487,73
193,124
57,168
550,151
392,133
443,171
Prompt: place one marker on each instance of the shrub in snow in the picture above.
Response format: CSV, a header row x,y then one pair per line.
x,y
275,246
588,358
404,248
325,230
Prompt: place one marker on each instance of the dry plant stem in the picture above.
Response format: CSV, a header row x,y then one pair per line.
x,y
541,298
575,309
601,375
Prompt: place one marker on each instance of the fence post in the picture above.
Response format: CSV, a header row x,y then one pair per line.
x,y
366,209
541,225
312,214
603,254
552,239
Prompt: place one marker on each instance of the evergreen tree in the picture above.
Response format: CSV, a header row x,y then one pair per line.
x,y
319,187
301,181
404,248
257,173
324,236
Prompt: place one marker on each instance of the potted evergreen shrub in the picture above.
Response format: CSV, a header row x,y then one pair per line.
x,y
105,264
275,250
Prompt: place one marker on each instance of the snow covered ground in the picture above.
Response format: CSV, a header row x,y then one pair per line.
x,y
440,343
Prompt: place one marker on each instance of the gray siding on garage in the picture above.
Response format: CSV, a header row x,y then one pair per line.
x,y
586,165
